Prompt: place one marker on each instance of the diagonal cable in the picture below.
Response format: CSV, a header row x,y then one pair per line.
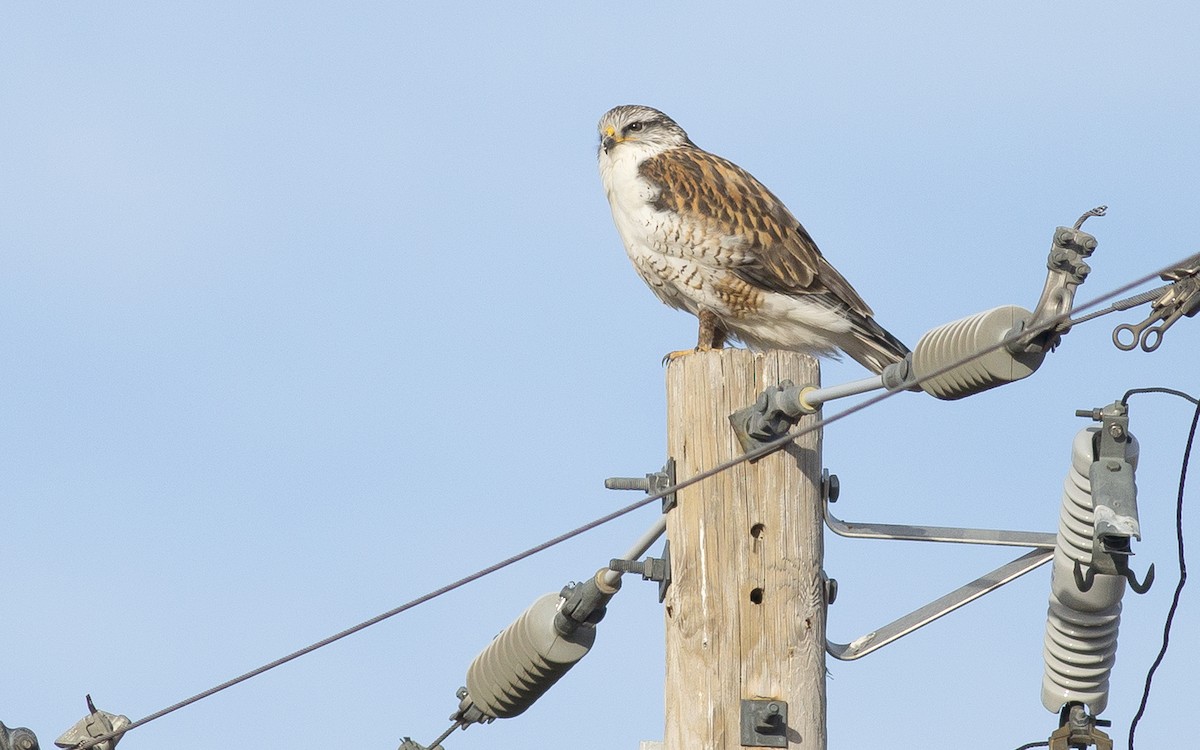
x,y
763,450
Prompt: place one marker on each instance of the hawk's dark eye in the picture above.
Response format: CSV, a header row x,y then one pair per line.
x,y
634,127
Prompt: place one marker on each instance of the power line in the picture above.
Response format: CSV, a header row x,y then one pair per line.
x,y
763,450
1168,391
1166,638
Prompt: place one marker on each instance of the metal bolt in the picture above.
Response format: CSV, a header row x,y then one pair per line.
x,y
831,486
626,566
627,483
650,569
1113,465
1117,431
770,719
831,589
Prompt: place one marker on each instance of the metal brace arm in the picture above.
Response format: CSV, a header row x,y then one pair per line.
x,y
1042,553
896,629
903,532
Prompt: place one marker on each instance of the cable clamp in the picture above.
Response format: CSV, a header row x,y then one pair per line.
x,y
96,724
1178,299
1079,730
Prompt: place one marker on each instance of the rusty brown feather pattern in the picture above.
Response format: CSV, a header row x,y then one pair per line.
x,y
780,254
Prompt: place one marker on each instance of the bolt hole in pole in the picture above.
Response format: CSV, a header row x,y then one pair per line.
x,y
756,595
757,530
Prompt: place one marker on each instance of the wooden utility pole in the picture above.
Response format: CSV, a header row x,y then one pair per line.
x,y
745,612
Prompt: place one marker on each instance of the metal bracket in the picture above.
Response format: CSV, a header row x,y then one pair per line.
x,y
904,532
17,738
1042,553
919,618
1066,271
97,723
1114,498
777,409
651,569
764,723
651,484
1078,730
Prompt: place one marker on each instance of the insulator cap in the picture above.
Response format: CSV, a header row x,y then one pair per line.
x,y
955,341
525,660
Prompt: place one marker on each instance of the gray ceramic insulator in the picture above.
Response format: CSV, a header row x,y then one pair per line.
x,y
1080,647
525,660
955,341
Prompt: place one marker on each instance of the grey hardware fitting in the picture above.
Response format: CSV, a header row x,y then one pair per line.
x,y
651,484
651,569
764,723
17,738
1042,552
1178,299
1114,497
97,723
410,744
1080,730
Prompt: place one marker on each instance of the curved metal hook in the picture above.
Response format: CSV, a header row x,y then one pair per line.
x,y
1097,211
1085,579
1145,585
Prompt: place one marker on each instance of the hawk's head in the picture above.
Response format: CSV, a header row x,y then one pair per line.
x,y
645,126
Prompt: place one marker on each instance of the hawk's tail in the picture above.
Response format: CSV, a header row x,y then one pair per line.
x,y
869,344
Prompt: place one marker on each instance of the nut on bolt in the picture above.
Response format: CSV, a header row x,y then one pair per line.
x,y
831,486
770,719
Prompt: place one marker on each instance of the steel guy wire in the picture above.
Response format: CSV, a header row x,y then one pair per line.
x,y
763,450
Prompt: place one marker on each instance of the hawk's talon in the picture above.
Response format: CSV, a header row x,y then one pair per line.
x,y
672,356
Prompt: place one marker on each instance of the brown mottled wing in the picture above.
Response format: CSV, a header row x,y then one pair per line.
x,y
780,256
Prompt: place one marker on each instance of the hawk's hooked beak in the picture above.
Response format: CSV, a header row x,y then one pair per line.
x,y
609,139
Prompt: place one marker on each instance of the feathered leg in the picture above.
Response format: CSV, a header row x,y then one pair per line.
x,y
712,335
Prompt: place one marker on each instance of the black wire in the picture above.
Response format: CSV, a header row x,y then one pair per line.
x,y
1166,639
763,450
1043,743
1170,391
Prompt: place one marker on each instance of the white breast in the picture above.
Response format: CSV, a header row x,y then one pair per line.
x,y
650,236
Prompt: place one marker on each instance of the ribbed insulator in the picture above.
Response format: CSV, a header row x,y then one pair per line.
x,y
525,660
1079,651
1081,626
952,342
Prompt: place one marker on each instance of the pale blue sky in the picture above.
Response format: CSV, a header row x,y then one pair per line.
x,y
310,308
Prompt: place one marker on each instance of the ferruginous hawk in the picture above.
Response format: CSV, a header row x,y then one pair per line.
x,y
709,238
